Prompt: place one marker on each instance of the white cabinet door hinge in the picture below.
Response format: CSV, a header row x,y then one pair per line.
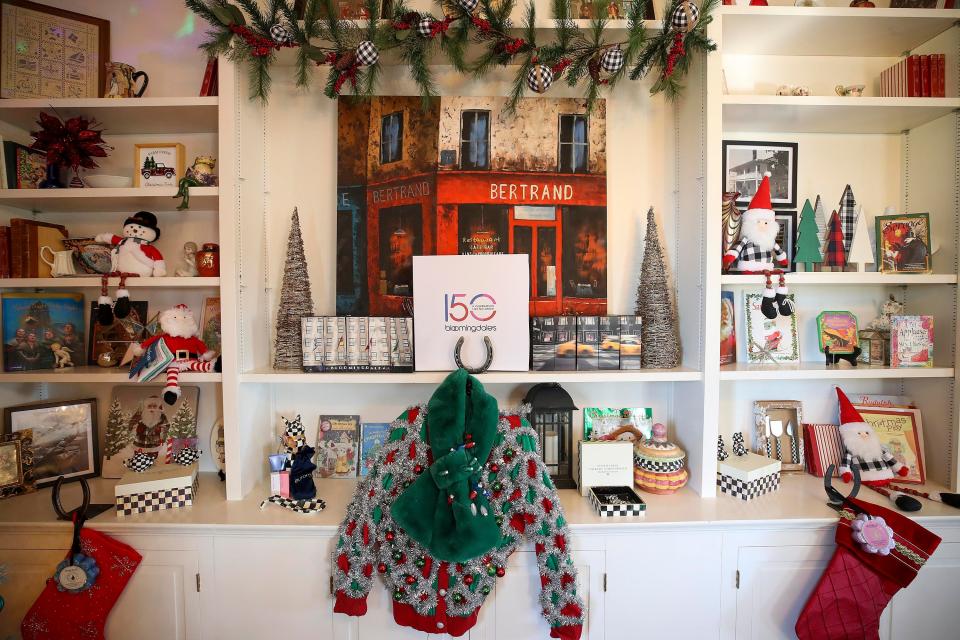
x,y
737,584
198,583
604,582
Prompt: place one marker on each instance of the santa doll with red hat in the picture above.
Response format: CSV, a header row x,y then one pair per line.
x,y
862,449
757,251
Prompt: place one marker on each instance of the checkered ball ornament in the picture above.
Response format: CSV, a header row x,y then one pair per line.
x,y
139,462
612,60
681,21
539,78
425,27
187,456
468,5
280,34
367,54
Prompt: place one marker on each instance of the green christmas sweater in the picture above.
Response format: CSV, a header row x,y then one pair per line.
x,y
435,596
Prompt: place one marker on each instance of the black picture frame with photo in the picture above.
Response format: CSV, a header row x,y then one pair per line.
x,y
66,440
745,162
787,238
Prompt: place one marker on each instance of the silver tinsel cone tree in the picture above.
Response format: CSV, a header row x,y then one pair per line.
x,y
296,302
660,346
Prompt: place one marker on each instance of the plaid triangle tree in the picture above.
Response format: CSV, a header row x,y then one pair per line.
x,y
836,254
296,302
808,240
659,342
848,217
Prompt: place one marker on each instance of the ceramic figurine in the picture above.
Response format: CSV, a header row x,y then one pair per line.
x,y
188,268
849,91
62,354
208,260
199,175
121,80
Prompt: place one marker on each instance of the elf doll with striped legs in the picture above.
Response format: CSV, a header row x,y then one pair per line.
x,y
757,251
176,348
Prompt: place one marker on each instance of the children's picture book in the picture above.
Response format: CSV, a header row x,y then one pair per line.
x,y
911,341
337,446
603,423
837,330
728,329
770,341
42,331
900,431
372,437
903,243
880,400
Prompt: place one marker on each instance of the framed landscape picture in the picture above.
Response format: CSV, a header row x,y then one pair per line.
x,y
65,437
745,163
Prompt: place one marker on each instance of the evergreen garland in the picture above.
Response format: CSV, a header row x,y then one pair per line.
x,y
472,42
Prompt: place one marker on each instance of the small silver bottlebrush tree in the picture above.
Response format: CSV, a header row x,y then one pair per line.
x,y
659,342
296,302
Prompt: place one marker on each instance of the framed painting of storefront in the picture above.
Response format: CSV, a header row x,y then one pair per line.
x,y
465,178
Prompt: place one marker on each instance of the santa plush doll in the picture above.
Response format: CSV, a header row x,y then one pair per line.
x,y
179,336
757,251
862,449
133,254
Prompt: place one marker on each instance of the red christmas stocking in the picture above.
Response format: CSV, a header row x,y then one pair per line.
x,y
61,615
878,553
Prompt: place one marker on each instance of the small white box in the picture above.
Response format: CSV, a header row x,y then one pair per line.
x,y
605,463
747,477
163,487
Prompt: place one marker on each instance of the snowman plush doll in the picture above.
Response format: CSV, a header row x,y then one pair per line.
x,y
133,254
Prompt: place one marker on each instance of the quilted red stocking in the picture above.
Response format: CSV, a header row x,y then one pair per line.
x,y
60,615
878,553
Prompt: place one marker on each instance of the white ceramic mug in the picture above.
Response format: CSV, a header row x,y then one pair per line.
x,y
61,262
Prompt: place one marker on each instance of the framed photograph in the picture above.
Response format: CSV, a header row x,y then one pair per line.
x,y
900,431
744,164
787,237
24,168
606,423
108,344
51,53
65,438
42,330
337,446
903,243
139,420
16,464
911,341
770,341
210,323
779,432
158,164
372,437
837,330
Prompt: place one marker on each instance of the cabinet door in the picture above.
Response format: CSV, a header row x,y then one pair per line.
x,y
775,583
513,609
927,609
160,601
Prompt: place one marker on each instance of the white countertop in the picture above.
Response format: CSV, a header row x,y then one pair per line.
x,y
799,501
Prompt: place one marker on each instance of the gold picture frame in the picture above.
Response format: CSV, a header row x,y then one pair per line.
x,y
152,164
779,432
16,464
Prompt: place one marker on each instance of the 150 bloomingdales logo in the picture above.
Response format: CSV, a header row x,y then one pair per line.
x,y
462,312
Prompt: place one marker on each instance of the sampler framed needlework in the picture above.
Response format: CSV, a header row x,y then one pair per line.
x,y
51,53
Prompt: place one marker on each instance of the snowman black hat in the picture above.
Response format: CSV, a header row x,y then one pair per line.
x,y
144,219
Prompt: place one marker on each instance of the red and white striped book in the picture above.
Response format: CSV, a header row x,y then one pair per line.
x,y
823,448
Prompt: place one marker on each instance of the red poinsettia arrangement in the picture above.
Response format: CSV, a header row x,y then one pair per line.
x,y
72,144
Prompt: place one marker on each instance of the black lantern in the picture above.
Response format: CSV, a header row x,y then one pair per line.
x,y
551,415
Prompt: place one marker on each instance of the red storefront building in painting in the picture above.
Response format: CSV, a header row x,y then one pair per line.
x,y
465,178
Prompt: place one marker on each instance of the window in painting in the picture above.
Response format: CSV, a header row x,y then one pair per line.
x,y
475,140
585,252
345,253
573,143
401,238
391,137
482,229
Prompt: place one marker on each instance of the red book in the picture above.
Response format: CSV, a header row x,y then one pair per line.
x,y
17,247
4,252
913,77
208,78
941,75
925,76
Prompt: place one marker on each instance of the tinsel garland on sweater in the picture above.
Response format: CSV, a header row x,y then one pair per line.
x,y
526,506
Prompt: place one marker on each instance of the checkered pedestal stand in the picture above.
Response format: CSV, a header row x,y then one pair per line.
x,y
155,500
748,490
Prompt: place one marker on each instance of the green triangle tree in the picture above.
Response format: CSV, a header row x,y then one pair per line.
x,y
808,241
184,423
118,434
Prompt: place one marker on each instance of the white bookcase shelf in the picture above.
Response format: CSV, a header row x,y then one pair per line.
x,y
496,377
849,279
819,371
121,115
830,31
82,282
90,200
92,374
831,114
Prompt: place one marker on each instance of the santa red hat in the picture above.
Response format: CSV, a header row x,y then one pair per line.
x,y
760,204
848,413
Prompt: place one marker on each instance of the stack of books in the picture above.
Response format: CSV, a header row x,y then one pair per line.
x,y
915,77
354,343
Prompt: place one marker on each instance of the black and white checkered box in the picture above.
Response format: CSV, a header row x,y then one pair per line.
x,y
155,500
747,477
165,486
613,502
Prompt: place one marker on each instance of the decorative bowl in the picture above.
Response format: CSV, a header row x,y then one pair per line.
x,y
90,257
103,181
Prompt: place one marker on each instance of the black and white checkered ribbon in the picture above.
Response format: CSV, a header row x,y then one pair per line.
x,y
300,506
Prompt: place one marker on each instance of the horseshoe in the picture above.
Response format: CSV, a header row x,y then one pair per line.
x,y
81,511
487,344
